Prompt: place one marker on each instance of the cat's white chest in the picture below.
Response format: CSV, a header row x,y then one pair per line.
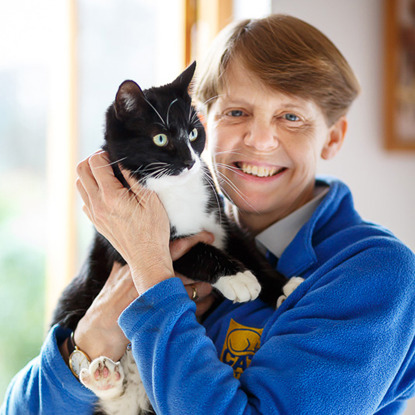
x,y
185,199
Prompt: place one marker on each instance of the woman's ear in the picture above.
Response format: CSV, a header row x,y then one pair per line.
x,y
335,138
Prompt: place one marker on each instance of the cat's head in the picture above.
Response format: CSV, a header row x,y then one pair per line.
x,y
155,131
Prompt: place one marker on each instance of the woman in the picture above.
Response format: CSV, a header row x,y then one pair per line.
x,y
276,94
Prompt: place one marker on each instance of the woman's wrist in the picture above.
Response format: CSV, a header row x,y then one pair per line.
x,y
147,274
144,281
100,342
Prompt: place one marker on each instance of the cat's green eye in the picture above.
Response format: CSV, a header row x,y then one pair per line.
x,y
193,134
160,140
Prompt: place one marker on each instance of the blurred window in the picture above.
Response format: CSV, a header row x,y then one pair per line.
x,y
40,77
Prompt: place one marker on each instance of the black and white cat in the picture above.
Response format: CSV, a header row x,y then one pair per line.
x,y
157,135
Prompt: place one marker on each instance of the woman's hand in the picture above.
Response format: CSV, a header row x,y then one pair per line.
x,y
134,221
200,292
98,332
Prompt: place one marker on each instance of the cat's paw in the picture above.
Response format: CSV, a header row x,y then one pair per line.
x,y
240,287
289,288
104,377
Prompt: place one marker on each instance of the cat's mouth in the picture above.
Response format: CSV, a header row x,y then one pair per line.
x,y
259,171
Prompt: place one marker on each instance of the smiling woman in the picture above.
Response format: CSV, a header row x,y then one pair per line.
x,y
307,355
266,149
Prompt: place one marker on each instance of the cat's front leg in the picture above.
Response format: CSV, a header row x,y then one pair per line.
x,y
228,275
239,288
104,377
289,288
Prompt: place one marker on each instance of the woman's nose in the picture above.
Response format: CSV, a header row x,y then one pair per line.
x,y
261,135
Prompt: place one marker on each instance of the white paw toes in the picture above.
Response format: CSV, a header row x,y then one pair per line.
x,y
104,377
289,288
240,287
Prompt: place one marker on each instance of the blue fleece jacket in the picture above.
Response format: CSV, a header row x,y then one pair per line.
x,y
342,343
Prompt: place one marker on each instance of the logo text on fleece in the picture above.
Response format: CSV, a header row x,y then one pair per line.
x,y
241,344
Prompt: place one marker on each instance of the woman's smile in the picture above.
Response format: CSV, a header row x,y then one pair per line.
x,y
261,172
258,170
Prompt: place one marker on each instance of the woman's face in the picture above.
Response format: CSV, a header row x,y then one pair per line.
x,y
265,147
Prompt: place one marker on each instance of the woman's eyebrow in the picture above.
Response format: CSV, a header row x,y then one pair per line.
x,y
241,101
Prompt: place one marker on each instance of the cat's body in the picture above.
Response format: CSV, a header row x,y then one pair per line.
x,y
157,136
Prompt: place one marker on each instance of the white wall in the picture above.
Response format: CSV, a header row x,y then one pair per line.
x,y
382,182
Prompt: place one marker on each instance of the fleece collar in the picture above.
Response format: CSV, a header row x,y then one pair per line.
x,y
300,254
279,235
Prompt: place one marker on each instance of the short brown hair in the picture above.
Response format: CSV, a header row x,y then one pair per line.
x,y
287,54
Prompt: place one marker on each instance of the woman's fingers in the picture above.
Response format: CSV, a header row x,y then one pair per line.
x,y
198,291
96,177
98,187
136,224
82,192
86,176
179,247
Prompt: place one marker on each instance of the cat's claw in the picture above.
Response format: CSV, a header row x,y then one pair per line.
x,y
240,287
289,288
104,377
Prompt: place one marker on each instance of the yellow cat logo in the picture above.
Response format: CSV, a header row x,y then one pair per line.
x,y
241,344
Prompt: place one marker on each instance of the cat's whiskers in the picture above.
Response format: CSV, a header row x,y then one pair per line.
x,y
236,190
210,181
143,194
223,178
157,173
112,163
193,116
152,106
228,196
195,120
138,191
160,124
237,153
211,99
141,168
168,110
230,168
133,189
157,163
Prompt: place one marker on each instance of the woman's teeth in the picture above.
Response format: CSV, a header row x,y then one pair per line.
x,y
260,171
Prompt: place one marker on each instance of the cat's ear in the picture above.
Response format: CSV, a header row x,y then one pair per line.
x,y
129,99
184,79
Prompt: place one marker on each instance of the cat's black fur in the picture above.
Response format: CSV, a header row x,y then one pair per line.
x,y
132,121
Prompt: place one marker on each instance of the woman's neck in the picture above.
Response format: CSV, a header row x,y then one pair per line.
x,y
256,222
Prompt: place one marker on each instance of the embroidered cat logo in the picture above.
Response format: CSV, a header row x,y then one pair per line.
x,y
241,344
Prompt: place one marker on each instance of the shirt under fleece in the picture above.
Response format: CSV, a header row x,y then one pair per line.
x,y
342,343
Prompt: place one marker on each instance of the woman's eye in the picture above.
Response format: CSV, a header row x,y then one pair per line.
x,y
160,140
291,117
193,134
235,113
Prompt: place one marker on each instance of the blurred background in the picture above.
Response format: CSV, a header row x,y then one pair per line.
x,y
61,62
